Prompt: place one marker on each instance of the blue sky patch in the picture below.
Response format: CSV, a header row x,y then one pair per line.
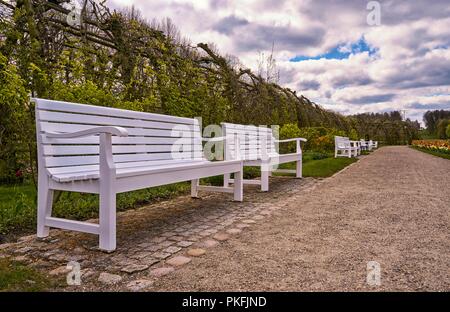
x,y
340,52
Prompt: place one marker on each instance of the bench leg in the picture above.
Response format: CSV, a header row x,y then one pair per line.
x,y
265,178
107,219
194,188
44,209
238,186
298,168
226,179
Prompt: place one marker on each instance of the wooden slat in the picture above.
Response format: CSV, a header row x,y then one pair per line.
x,y
90,160
94,174
44,104
91,168
65,127
72,225
251,128
60,150
122,140
108,121
219,189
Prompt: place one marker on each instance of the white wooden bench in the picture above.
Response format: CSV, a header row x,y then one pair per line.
x,y
373,144
364,145
356,144
257,146
368,145
105,151
343,147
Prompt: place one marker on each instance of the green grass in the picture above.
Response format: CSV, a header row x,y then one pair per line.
x,y
435,153
18,203
322,168
17,208
15,276
326,167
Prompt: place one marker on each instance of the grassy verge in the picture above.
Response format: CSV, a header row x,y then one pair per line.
x,y
322,168
15,276
435,153
18,203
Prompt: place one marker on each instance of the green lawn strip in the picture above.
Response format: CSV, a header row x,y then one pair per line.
x,y
322,168
434,153
15,276
18,204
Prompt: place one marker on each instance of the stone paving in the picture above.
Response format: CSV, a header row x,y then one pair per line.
x,y
154,240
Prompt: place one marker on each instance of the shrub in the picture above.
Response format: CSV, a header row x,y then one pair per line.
x,y
320,139
442,127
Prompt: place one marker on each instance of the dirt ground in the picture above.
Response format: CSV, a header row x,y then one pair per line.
x,y
392,207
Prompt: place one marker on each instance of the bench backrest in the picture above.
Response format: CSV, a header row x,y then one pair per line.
x,y
255,142
341,142
151,140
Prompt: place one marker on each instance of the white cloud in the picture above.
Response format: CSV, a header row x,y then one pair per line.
x,y
410,70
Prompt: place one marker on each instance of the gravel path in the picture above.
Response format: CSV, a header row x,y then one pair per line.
x,y
391,207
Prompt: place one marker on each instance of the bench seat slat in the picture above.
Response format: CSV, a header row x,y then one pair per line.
x,y
118,158
84,168
129,171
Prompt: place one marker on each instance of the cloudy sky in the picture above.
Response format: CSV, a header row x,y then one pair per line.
x,y
327,49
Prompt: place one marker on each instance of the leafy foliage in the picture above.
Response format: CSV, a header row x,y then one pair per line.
x,y
432,119
118,59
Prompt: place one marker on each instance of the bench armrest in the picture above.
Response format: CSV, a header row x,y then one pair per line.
x,y
118,131
298,140
291,140
106,162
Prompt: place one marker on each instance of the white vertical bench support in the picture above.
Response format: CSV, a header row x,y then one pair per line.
x,y
265,177
107,211
298,165
194,187
45,194
265,164
238,186
226,179
45,201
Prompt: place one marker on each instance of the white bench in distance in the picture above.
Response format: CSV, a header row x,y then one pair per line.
x,y
364,145
257,147
373,144
369,145
356,144
343,147
106,151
